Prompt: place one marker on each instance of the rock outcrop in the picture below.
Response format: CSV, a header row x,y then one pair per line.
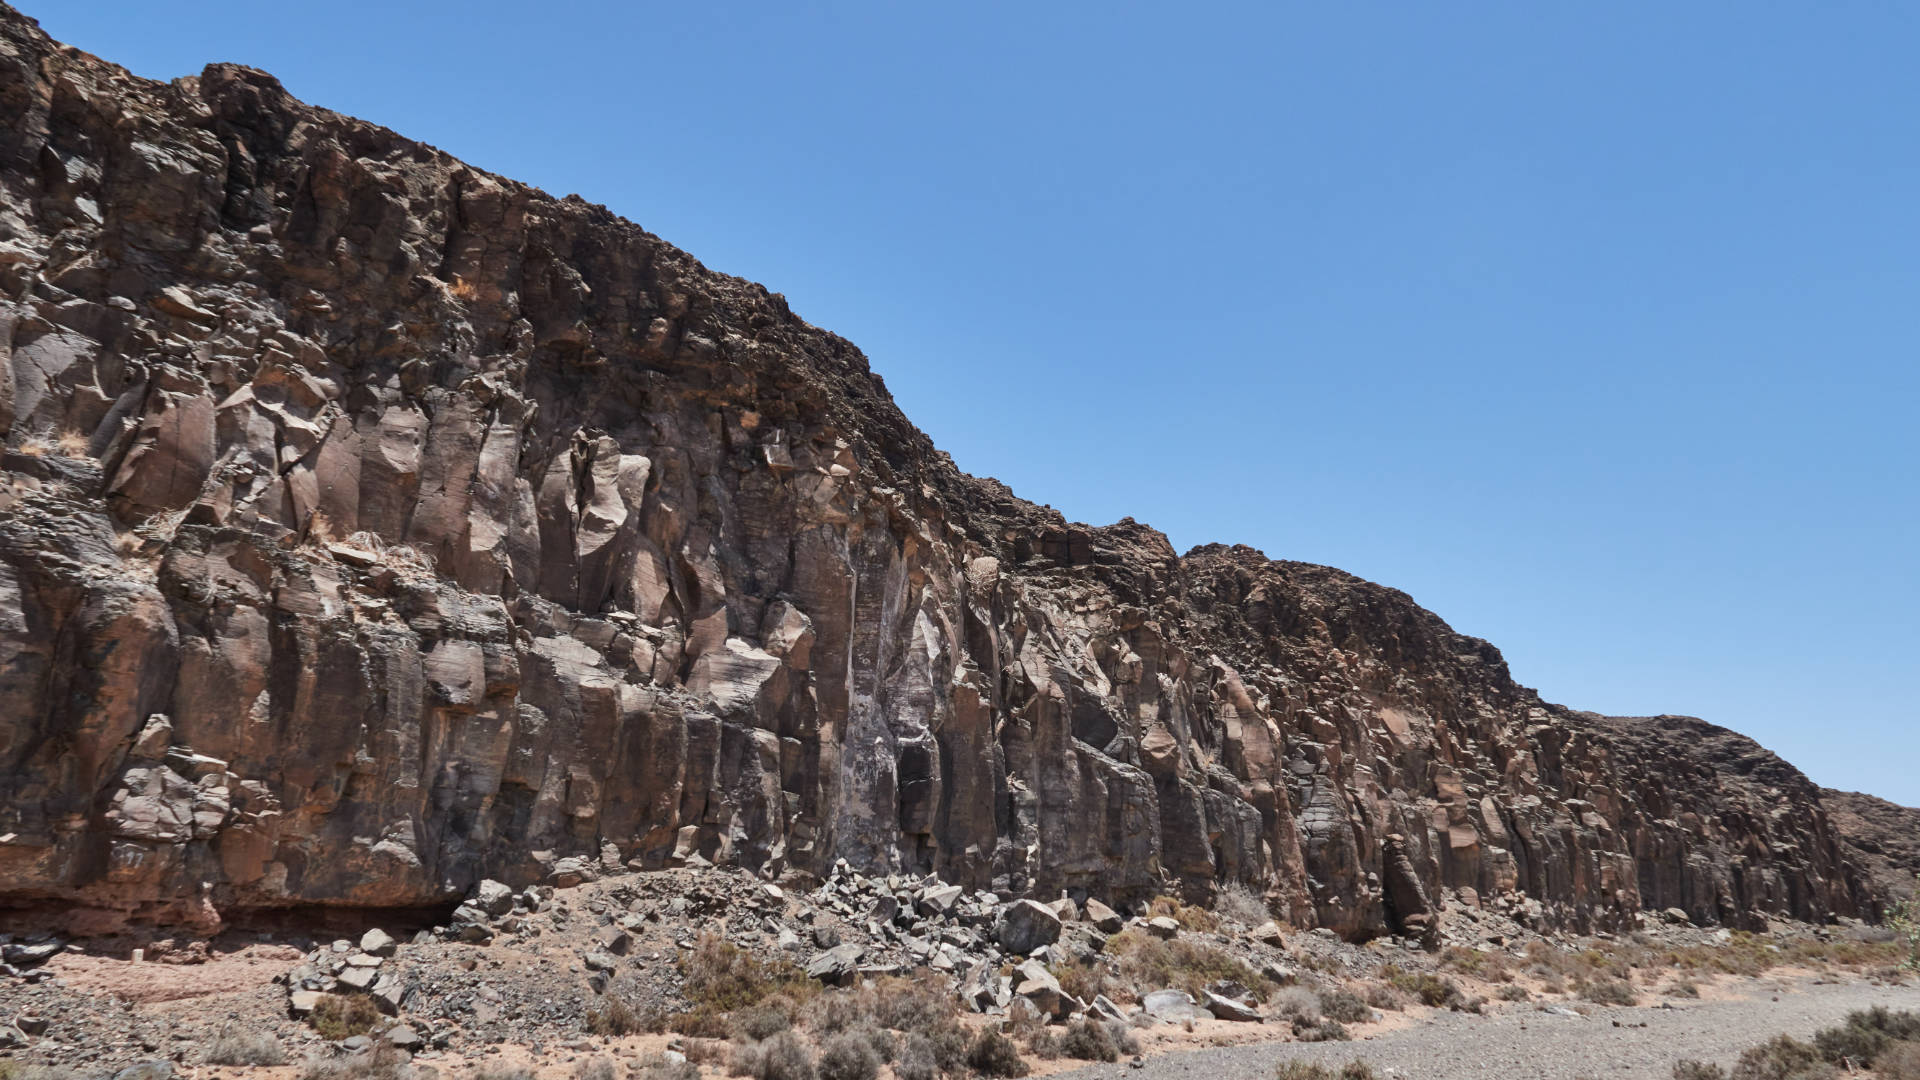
x,y
371,525
1883,837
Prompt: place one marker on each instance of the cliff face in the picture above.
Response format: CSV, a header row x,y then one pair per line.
x,y
370,524
1882,837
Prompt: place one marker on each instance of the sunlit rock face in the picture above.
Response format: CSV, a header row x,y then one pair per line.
x,y
370,525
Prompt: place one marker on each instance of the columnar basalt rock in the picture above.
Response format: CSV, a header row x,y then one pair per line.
x,y
372,526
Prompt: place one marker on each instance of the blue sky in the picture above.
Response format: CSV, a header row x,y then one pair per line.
x,y
1592,327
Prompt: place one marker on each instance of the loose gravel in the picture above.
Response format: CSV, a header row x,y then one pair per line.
x,y
1534,1045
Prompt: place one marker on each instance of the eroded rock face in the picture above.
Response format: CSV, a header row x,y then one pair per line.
x,y
372,525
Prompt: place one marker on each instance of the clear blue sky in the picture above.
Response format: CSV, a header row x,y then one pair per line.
x,y
1593,327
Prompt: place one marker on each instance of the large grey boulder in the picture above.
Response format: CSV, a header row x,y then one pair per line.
x,y
1026,925
837,966
1035,983
1227,1008
1104,918
492,897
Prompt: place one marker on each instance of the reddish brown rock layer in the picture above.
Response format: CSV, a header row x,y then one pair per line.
x,y
371,524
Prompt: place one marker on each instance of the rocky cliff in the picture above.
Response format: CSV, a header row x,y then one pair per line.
x,y
1882,837
370,524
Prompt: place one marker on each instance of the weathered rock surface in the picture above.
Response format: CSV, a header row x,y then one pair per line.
x,y
1883,837
371,525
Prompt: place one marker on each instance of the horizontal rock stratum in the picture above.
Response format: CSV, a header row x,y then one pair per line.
x,y
371,525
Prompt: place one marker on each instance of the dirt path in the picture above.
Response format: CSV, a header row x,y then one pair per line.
x,y
1533,1045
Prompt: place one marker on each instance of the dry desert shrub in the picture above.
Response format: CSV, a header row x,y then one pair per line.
x,y
1433,991
1191,917
618,1016
383,1062
783,1057
1782,1058
1083,979
595,1069
848,1056
1697,1070
993,1054
661,1067
1310,1070
1486,966
1238,903
341,1016
916,1059
1610,992
1343,1005
1297,1003
235,1045
1322,1030
1901,1061
1147,963
765,1019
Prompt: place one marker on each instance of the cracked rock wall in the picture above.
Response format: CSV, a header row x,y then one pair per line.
x,y
370,524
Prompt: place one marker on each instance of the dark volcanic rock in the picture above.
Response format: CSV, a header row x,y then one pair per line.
x,y
371,525
1884,837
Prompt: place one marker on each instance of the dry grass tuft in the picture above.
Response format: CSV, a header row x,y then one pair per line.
x,y
238,1046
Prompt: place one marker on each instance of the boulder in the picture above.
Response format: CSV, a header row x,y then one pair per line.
x,y
837,966
939,901
1026,925
1269,933
613,939
1104,918
377,942
491,898
1164,928
1172,1006
1032,981
1227,1008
